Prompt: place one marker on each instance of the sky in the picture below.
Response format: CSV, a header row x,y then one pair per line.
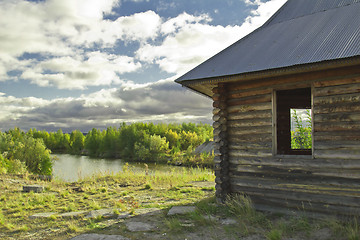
x,y
83,64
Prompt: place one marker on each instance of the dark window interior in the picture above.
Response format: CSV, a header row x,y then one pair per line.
x,y
286,100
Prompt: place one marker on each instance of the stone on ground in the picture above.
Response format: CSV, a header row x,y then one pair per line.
x,y
147,211
94,236
180,210
228,221
105,213
139,227
72,214
33,188
42,215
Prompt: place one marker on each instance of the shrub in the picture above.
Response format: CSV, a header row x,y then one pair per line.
x,y
20,150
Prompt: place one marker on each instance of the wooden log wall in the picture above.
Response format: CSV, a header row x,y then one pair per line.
x,y
328,181
221,161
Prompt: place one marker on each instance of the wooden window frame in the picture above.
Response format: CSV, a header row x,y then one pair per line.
x,y
276,97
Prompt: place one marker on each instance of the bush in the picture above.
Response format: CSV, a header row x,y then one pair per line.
x,y
20,151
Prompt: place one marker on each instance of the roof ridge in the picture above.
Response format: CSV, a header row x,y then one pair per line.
x,y
277,13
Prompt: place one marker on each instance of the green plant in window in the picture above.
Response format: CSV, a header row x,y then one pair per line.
x,y
301,137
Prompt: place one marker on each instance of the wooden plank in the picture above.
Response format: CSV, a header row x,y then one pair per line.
x,y
297,163
250,100
249,138
336,126
338,154
337,99
249,108
298,179
239,94
295,207
265,114
250,145
298,172
337,82
287,194
337,145
318,76
315,187
249,130
250,123
337,90
320,137
313,210
343,108
337,117
250,153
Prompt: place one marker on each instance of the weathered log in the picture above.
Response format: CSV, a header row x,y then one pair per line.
x,y
265,114
337,117
336,90
337,99
249,107
250,100
337,82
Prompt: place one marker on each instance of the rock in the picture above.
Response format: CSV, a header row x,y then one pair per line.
x,y
180,210
187,224
211,218
124,215
42,215
95,236
228,221
105,213
147,211
33,188
139,227
72,214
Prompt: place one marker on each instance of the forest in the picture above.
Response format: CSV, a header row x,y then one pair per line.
x,y
145,142
142,142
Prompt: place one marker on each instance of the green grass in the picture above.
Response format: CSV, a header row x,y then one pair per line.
x,y
128,191
98,192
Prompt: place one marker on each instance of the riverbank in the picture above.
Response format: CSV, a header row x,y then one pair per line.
x,y
129,195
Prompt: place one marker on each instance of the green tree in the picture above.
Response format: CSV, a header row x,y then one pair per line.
x,y
92,142
77,141
17,148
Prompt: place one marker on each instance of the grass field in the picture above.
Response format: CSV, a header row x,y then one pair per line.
x,y
127,192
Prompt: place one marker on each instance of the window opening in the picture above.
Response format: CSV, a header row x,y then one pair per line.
x,y
301,137
286,102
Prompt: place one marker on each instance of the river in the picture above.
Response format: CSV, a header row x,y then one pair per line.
x,y
71,168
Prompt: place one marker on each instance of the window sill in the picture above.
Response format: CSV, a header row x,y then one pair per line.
x,y
294,156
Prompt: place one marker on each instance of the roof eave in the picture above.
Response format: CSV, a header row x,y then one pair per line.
x,y
194,84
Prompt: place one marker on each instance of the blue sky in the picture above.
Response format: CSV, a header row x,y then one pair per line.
x,y
79,64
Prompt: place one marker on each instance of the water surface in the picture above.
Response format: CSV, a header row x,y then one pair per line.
x,y
71,168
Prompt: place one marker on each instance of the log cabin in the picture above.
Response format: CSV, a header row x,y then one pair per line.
x,y
306,56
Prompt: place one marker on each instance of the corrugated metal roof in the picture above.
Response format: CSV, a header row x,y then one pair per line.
x,y
301,32
300,8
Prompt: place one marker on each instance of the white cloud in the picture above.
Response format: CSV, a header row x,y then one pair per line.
x,y
252,2
190,40
63,32
78,73
106,107
263,12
